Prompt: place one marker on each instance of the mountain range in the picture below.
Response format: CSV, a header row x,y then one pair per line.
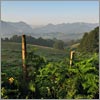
x,y
60,31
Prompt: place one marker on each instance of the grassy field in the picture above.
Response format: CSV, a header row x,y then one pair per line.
x,y
11,55
12,51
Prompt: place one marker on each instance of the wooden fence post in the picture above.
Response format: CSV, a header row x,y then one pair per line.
x,y
71,57
24,57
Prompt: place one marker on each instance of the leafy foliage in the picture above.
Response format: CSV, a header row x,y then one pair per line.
x,y
55,80
90,41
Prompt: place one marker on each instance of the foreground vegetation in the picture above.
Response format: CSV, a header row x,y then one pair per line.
x,y
49,74
51,80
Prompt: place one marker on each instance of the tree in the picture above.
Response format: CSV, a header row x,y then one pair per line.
x,y
90,41
6,39
59,45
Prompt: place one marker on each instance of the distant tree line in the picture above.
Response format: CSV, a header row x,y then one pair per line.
x,y
90,41
58,44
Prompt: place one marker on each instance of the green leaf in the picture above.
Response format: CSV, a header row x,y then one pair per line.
x,y
32,86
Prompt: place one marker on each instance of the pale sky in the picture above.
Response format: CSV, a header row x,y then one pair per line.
x,y
45,12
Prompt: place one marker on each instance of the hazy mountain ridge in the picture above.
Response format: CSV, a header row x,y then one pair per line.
x,y
15,27
60,31
66,28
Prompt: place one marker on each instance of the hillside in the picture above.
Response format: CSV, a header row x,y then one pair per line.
x,y
48,73
9,49
64,31
90,41
65,28
15,27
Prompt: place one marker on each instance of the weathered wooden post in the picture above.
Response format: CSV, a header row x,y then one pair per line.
x,y
71,57
24,56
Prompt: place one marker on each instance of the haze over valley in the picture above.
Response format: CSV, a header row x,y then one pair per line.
x,y
63,31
